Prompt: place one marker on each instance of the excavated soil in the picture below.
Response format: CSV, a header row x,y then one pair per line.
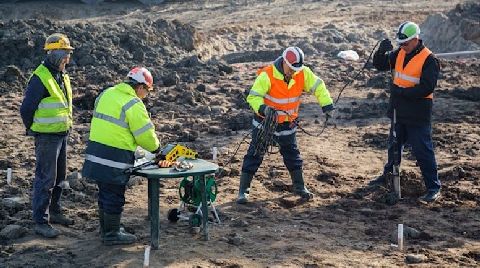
x,y
204,55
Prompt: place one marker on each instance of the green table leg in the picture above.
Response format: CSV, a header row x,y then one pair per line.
x,y
149,201
154,209
204,207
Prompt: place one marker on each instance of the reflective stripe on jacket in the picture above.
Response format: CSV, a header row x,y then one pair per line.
x,y
54,113
284,98
410,75
120,123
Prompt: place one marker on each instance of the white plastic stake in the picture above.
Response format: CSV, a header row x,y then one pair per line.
x,y
9,176
400,237
146,258
214,153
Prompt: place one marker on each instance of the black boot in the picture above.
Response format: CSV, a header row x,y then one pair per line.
x,y
113,235
46,230
244,190
60,218
299,184
101,219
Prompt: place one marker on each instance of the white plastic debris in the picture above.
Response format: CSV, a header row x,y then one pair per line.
x,y
214,153
348,55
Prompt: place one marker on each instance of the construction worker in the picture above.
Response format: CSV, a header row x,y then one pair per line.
x,y
46,112
120,123
415,73
277,89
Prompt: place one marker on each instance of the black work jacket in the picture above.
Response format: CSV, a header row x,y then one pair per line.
x,y
411,106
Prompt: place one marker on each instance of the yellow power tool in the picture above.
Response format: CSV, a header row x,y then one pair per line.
x,y
171,152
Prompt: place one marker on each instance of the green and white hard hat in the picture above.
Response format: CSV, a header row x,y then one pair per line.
x,y
407,31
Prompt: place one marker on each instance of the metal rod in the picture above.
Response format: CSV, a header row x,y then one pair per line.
x,y
459,54
396,158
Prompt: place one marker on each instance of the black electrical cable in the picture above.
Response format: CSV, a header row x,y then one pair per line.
x,y
264,137
325,124
266,129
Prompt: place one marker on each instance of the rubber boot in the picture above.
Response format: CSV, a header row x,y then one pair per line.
x,y
60,218
113,235
46,230
299,184
244,190
101,219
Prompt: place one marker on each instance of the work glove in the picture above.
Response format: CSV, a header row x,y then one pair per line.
x,y
139,153
264,110
396,90
328,110
385,45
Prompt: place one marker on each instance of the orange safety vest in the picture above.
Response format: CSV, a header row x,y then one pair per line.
x,y
410,75
283,99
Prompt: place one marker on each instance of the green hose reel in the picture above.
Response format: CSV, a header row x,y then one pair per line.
x,y
190,190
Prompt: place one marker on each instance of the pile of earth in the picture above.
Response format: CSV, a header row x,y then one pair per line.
x,y
102,51
103,55
458,29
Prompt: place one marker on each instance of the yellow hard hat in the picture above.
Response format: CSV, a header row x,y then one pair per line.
x,y
57,41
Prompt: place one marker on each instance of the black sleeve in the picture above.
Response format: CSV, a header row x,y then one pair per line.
x,y
34,93
428,80
385,61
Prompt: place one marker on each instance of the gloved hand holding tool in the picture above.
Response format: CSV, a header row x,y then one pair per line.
x,y
385,45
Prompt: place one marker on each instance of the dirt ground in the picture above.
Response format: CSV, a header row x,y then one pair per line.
x,y
204,55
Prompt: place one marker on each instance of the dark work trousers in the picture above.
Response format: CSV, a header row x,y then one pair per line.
x,y
288,148
50,171
420,138
111,197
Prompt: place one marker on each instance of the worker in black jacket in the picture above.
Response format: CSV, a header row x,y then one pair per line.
x,y
415,71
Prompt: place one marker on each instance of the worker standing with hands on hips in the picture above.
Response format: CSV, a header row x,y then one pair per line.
x,y
415,74
120,123
46,112
277,89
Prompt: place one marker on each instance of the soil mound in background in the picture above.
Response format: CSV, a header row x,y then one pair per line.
x,y
458,29
103,52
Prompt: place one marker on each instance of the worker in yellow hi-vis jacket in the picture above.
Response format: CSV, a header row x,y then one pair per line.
x,y
120,123
48,116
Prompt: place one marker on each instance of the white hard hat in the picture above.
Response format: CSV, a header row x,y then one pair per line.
x,y
293,57
142,76
407,31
